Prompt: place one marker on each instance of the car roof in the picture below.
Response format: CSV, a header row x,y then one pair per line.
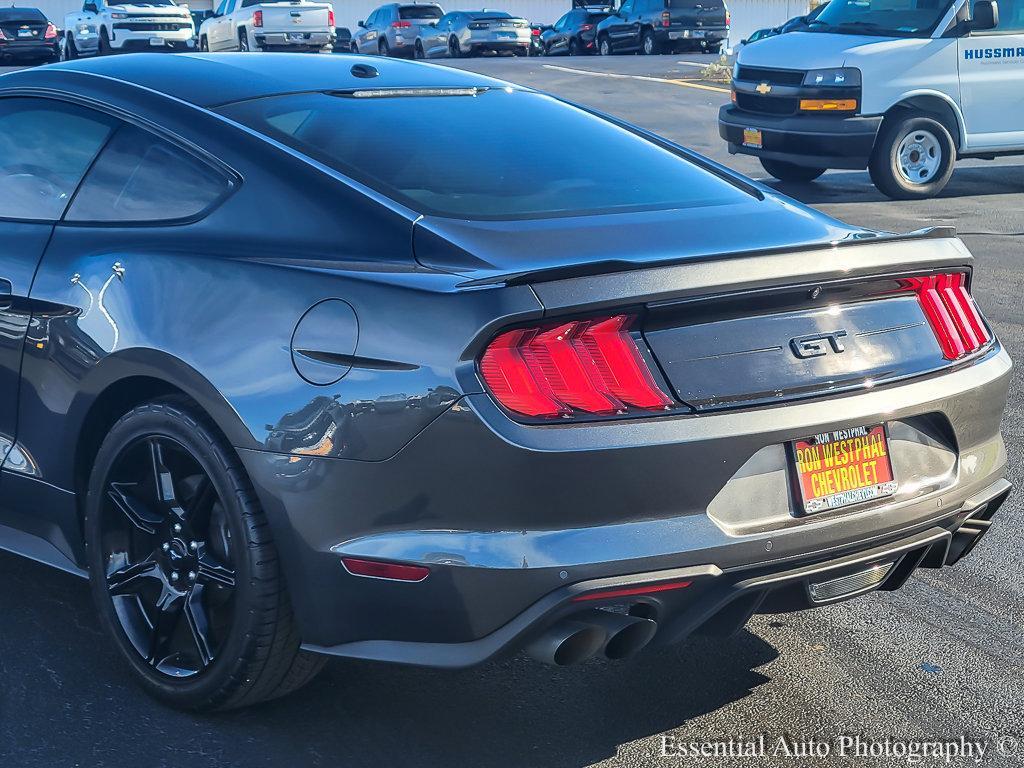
x,y
208,80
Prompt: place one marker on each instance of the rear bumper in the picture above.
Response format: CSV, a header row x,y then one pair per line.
x,y
283,40
513,521
125,40
27,51
697,35
809,140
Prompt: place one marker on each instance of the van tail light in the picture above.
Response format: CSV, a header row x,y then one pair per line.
x,y
581,366
51,32
401,24
330,18
257,18
951,313
666,18
728,18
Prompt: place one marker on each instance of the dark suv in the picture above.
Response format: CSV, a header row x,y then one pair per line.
x,y
656,26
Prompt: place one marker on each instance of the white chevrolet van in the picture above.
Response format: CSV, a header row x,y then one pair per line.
x,y
900,87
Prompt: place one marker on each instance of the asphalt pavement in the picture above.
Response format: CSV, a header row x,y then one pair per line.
x,y
939,661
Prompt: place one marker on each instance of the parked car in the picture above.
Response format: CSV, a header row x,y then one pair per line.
x,y
756,35
575,33
470,33
269,25
536,30
800,23
654,26
26,35
342,40
268,437
104,28
395,29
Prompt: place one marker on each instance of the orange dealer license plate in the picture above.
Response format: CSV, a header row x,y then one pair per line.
x,y
845,467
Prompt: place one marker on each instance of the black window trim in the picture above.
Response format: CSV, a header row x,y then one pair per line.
x,y
232,178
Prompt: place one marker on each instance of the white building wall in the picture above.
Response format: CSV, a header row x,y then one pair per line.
x,y
751,15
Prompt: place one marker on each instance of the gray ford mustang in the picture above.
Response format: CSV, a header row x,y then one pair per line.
x,y
281,392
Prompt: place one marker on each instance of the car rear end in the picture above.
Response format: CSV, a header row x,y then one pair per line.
x,y
293,26
617,433
497,32
27,35
685,23
414,22
587,32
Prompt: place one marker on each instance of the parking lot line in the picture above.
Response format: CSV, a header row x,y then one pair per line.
x,y
617,75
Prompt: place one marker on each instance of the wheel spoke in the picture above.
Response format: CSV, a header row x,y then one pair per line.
x,y
168,611
136,511
198,625
211,571
161,474
131,577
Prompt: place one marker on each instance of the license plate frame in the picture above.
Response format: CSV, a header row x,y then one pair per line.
x,y
24,34
157,42
296,37
753,138
864,475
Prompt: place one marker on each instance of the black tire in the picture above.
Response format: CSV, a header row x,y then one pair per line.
x,y
70,50
715,49
222,635
355,48
383,48
784,171
104,45
454,49
604,45
523,50
649,45
204,44
928,155
574,47
418,52
243,40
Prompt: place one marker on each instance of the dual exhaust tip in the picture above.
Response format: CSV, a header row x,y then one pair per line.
x,y
613,635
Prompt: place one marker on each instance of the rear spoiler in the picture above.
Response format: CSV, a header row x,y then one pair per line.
x,y
608,267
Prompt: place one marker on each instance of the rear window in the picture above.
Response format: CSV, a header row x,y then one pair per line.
x,y
419,12
504,154
21,14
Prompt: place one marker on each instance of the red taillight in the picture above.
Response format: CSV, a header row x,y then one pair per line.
x,y
586,27
591,366
401,24
666,18
728,18
376,569
951,313
534,32
330,18
51,32
632,591
257,18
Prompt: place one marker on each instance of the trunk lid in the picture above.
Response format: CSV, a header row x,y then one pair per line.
x,y
689,14
294,17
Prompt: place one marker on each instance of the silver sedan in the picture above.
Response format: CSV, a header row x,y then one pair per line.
x,y
468,33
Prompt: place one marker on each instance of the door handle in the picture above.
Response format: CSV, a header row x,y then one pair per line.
x,y
6,293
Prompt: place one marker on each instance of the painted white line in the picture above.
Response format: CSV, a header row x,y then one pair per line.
x,y
648,78
693,63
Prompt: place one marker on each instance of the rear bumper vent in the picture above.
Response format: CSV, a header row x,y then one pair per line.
x,y
851,584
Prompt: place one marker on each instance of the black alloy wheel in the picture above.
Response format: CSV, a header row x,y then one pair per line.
x,y
182,567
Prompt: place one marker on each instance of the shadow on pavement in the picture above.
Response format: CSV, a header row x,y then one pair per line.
x,y
66,699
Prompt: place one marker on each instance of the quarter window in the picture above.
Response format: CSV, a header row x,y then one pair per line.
x,y
141,178
45,149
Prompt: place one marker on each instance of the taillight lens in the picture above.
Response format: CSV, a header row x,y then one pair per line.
x,y
951,313
586,27
51,32
666,18
580,366
728,18
330,18
535,32
401,24
257,18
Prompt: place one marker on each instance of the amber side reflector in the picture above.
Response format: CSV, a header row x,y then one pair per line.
x,y
828,105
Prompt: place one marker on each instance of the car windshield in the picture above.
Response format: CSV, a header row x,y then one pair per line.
x,y
21,14
559,160
886,18
425,12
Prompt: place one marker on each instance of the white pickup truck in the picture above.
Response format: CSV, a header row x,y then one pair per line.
x,y
903,88
255,25
103,27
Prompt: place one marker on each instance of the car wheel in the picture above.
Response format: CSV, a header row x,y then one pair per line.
x,y
418,51
523,50
574,47
383,48
183,570
355,48
243,40
104,45
204,44
454,49
913,158
784,171
715,49
648,45
69,52
604,46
